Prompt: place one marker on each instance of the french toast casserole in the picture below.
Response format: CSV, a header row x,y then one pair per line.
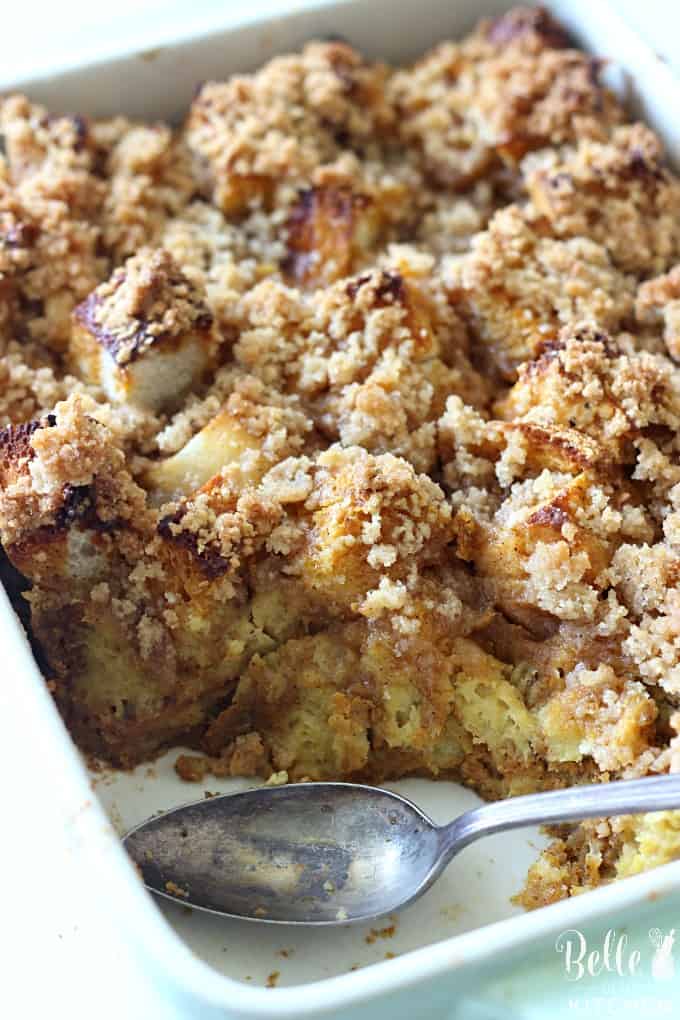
x,y
341,427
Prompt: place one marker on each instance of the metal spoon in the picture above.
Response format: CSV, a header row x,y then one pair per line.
x,y
332,853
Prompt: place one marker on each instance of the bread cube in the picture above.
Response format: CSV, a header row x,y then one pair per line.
x,y
252,432
367,517
627,391
256,132
544,550
518,288
616,192
511,87
145,335
334,227
223,441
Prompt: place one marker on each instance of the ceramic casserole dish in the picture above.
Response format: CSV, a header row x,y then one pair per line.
x,y
431,957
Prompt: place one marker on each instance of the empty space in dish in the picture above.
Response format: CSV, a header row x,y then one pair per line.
x,y
474,890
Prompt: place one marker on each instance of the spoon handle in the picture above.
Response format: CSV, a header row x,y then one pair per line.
x,y
599,800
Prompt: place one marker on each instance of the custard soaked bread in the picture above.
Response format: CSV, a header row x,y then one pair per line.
x,y
340,427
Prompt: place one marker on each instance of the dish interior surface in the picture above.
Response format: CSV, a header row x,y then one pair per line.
x,y
475,890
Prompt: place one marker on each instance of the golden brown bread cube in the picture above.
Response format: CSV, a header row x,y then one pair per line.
x,y
365,518
616,192
146,335
254,430
254,132
518,288
509,88
334,228
543,530
627,392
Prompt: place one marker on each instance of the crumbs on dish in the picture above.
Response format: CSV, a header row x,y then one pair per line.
x,y
341,427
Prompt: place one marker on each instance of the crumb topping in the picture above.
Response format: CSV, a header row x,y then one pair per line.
x,y
147,300
297,113
658,304
519,287
497,95
616,192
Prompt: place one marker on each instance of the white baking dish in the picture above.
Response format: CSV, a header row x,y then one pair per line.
x,y
466,924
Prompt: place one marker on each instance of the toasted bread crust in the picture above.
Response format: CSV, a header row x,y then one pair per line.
x,y
146,302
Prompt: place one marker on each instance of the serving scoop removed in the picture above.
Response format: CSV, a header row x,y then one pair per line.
x,y
334,853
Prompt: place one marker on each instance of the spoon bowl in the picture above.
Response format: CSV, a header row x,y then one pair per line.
x,y
333,853
316,853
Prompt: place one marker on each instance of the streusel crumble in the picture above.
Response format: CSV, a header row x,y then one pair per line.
x,y
340,427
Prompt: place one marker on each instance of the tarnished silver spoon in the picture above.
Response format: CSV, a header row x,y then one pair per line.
x,y
333,853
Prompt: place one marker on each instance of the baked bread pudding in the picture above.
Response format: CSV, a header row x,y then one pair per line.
x,y
341,427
